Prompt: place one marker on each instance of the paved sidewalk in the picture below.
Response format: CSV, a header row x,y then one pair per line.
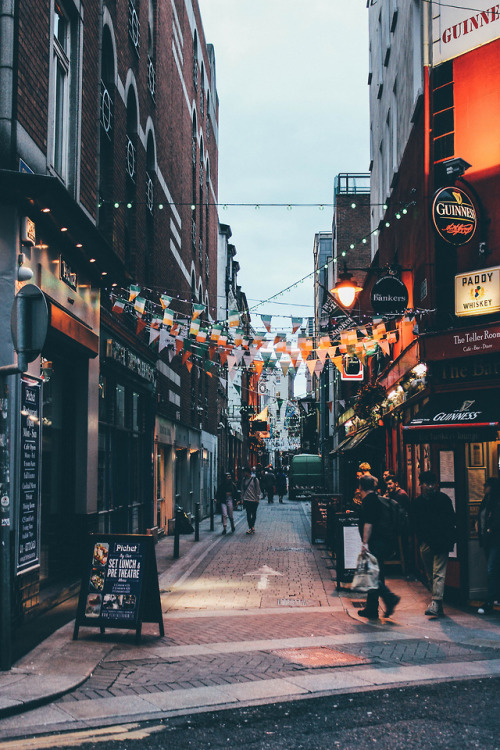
x,y
247,619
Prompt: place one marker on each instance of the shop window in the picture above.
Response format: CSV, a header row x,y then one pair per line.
x,y
120,406
135,412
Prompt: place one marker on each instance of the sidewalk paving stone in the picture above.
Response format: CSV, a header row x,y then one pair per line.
x,y
237,638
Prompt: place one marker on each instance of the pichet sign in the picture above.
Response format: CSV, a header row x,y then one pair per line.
x,y
389,295
454,216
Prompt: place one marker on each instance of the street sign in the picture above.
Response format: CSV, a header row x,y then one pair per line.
x,y
29,321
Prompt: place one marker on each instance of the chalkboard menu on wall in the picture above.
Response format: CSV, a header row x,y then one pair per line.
x,y
120,584
28,527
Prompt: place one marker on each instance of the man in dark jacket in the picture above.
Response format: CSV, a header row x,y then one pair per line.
x,y
433,520
375,541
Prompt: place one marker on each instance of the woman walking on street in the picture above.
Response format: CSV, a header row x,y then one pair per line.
x,y
250,495
226,495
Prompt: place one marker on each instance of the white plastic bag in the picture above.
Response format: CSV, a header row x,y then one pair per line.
x,y
367,573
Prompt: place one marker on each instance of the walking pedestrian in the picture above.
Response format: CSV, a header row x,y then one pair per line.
x,y
269,481
226,495
281,483
433,520
250,495
489,539
395,492
375,540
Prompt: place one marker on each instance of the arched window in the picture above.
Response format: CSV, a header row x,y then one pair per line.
x,y
131,174
195,61
106,135
194,147
150,203
151,50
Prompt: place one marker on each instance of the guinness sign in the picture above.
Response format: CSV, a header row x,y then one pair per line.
x,y
454,216
389,295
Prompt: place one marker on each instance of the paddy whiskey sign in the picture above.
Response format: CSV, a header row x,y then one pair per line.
x,y
477,293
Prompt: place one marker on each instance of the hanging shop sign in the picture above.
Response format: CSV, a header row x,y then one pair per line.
x,y
28,527
477,293
454,216
461,343
120,585
352,368
389,295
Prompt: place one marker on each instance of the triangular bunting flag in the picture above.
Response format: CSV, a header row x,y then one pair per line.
x,y
311,364
198,310
140,305
194,328
285,366
165,301
141,325
153,335
118,306
233,318
296,323
133,292
189,365
266,322
179,344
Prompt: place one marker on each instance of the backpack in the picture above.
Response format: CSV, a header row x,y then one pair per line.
x,y
393,518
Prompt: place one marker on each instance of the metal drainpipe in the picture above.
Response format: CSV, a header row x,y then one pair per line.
x,y
8,74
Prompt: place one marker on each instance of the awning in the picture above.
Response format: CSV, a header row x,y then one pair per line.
x,y
354,441
466,416
341,447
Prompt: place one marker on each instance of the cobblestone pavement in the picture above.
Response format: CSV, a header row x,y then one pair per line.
x,y
260,606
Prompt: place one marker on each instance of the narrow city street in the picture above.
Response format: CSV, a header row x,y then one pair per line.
x,y
252,624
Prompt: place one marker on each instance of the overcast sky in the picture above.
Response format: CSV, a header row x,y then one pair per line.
x,y
292,85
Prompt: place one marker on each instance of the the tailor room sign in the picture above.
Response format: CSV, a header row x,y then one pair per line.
x,y
477,293
460,26
454,216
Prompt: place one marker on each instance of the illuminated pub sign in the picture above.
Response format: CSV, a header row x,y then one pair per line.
x,y
477,293
454,216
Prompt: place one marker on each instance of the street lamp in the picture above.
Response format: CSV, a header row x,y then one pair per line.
x,y
345,290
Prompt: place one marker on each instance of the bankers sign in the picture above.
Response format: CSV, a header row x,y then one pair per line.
x,y
477,293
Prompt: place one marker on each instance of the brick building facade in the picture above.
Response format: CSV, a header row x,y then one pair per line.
x,y
109,148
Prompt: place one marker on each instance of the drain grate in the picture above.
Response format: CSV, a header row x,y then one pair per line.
x,y
319,657
291,549
292,602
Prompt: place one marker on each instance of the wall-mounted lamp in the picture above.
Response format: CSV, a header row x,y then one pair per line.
x,y
345,290
23,272
456,167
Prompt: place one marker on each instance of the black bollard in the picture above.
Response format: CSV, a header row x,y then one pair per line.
x,y
212,521
177,526
197,522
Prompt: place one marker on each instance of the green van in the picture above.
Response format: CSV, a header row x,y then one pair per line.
x,y
305,476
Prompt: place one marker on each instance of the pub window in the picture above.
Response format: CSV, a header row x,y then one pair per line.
x,y
135,412
120,405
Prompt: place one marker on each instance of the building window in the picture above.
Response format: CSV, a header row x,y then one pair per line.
x,y
151,50
61,73
443,112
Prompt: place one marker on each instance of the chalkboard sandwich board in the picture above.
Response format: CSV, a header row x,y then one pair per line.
x,y
120,584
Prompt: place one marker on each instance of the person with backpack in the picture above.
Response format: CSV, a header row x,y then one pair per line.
x,y
250,495
394,492
376,529
433,521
